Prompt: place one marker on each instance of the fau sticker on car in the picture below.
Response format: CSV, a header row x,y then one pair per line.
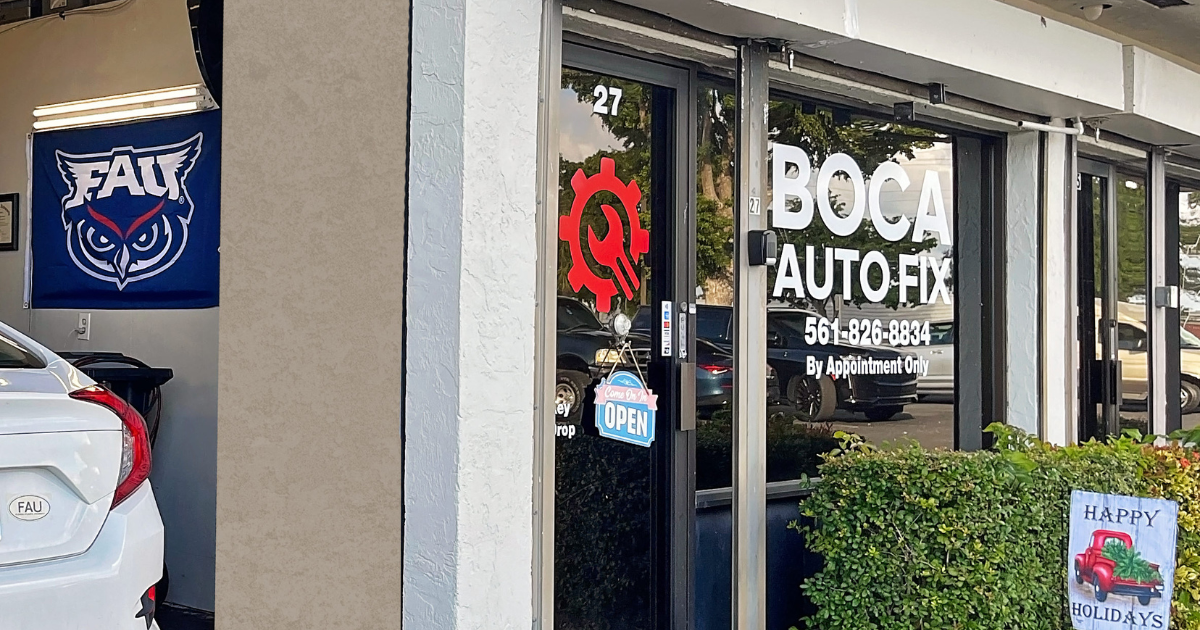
x,y
127,211
29,507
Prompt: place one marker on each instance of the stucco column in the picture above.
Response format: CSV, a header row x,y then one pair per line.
x,y
1022,275
472,270
309,500
1060,369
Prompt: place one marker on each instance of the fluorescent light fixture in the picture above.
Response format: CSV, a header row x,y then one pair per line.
x,y
92,119
124,100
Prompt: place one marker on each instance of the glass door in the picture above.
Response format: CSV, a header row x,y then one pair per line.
x,y
1113,340
621,466
1097,359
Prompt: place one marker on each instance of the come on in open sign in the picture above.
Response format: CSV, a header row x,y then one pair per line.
x,y
626,409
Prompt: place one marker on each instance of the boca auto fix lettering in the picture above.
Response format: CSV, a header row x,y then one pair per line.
x,y
919,277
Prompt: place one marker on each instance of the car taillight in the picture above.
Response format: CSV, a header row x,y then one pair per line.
x,y
135,442
149,606
716,370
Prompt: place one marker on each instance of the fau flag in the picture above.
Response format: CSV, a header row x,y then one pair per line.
x,y
128,216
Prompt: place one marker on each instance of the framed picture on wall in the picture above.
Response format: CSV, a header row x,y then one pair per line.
x,y
10,212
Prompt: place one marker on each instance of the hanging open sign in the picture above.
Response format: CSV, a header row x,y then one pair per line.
x,y
626,409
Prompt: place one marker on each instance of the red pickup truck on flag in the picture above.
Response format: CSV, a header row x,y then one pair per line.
x,y
1112,565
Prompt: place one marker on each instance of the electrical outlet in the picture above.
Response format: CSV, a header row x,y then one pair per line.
x,y
83,331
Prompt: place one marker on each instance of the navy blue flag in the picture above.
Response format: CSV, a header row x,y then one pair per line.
x,y
128,216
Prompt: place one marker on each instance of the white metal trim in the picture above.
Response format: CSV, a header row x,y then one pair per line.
x,y
1156,272
646,39
546,339
1108,149
654,41
750,349
800,77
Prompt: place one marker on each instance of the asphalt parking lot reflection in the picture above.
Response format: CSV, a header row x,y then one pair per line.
x,y
930,424
1190,421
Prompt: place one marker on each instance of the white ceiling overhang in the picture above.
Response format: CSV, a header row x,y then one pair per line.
x,y
981,49
1162,103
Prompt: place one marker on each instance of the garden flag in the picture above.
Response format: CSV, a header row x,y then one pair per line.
x,y
1121,561
127,216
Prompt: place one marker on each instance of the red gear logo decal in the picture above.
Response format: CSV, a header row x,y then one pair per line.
x,y
609,252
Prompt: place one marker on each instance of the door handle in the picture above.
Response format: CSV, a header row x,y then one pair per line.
x,y
687,396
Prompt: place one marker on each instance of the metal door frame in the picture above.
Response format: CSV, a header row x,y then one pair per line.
x,y
1169,251
1162,297
673,468
749,513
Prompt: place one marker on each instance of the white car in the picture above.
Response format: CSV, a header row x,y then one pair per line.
x,y
81,541
940,354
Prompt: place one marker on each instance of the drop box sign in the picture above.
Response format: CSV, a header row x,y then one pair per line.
x,y
1122,561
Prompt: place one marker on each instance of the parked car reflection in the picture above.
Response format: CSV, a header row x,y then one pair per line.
x,y
584,348
939,380
587,351
817,397
1132,346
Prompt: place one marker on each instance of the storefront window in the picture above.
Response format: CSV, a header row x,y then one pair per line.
x,y
861,317
860,329
714,286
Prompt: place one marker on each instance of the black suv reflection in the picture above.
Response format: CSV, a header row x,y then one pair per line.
x,y
880,397
583,350
587,351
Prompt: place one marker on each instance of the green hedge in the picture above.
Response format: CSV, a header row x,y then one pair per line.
x,y
936,539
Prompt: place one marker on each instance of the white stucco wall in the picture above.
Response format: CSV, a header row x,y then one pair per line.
x,y
1058,319
143,45
430,408
469,414
1022,280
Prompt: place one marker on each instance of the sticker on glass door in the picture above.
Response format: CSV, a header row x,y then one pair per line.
x,y
610,252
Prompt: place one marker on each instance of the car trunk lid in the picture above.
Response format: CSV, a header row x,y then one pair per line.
x,y
59,462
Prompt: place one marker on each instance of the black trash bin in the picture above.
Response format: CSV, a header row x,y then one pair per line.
x,y
128,378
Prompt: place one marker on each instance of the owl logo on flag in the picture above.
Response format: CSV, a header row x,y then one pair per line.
x,y
127,211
